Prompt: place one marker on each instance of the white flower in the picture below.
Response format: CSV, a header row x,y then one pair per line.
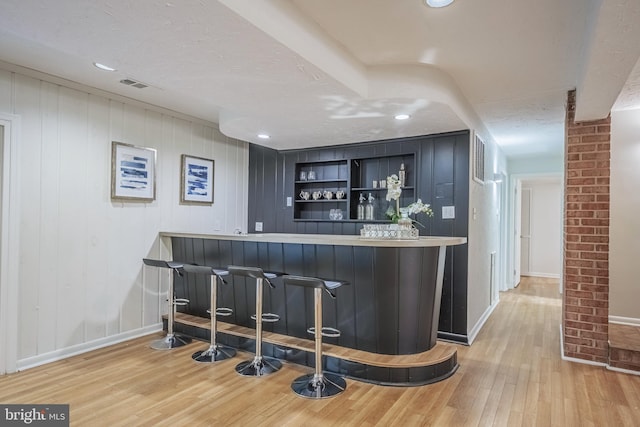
x,y
393,188
419,207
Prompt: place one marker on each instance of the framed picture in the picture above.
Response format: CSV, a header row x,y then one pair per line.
x,y
196,180
133,172
478,160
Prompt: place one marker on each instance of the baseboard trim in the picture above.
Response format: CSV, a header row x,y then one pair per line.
x,y
544,275
624,371
480,323
575,359
74,350
631,321
453,338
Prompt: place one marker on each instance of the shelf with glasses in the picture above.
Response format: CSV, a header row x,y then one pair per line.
x,y
407,188
322,201
319,178
320,181
351,177
324,220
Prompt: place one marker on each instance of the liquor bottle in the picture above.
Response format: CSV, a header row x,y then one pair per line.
x,y
369,213
402,175
361,207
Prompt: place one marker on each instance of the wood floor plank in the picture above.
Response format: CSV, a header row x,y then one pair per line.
x,y
512,375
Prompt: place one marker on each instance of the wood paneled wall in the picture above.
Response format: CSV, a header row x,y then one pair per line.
x,y
81,279
442,168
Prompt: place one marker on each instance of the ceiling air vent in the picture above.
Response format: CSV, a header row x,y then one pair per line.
x,y
133,83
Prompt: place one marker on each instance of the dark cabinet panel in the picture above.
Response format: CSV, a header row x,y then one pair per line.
x,y
437,172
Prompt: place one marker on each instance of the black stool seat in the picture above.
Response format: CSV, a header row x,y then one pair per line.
x,y
216,351
260,365
171,340
319,384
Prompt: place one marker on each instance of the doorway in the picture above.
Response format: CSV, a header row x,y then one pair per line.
x,y
525,231
9,242
536,226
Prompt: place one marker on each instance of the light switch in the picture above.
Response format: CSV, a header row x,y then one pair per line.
x,y
289,201
448,212
258,226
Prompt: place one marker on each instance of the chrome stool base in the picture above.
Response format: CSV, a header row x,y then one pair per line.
x,y
214,354
259,366
319,384
317,388
170,341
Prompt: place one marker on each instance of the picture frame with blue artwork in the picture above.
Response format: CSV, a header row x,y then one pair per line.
x,y
196,180
133,172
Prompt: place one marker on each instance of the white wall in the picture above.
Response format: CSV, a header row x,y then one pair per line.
x,y
537,165
484,237
545,256
81,280
624,238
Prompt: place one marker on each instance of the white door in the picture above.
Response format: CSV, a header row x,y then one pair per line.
x,y
525,232
517,198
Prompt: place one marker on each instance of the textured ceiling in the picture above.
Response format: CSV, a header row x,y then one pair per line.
x,y
316,73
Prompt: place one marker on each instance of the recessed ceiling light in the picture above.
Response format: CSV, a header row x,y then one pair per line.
x,y
263,136
402,116
103,67
438,3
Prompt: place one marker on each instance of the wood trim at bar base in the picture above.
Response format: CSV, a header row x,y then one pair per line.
x,y
397,370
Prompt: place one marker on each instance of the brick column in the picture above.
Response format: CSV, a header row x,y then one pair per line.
x,y
585,316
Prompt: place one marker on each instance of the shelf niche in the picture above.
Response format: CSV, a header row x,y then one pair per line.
x,y
320,177
365,171
353,177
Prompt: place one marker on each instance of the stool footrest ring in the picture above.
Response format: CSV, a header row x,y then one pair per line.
x,y
180,301
325,332
268,317
224,311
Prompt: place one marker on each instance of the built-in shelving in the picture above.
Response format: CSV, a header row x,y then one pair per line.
x,y
316,190
317,183
367,175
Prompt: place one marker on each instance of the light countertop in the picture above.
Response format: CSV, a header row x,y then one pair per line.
x,y
325,239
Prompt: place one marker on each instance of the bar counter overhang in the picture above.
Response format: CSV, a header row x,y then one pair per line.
x,y
387,314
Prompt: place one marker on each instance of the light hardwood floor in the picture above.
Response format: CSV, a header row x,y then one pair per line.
x,y
511,375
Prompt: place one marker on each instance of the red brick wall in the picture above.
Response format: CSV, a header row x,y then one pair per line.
x,y
586,237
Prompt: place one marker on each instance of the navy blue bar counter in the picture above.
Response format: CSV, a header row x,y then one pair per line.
x,y
390,306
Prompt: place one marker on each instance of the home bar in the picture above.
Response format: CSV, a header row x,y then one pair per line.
x,y
387,313
321,211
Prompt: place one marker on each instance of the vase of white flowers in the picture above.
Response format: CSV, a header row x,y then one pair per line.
x,y
394,190
401,215
404,221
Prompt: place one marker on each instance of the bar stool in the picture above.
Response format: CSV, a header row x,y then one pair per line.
x,y
318,385
260,365
215,352
171,340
